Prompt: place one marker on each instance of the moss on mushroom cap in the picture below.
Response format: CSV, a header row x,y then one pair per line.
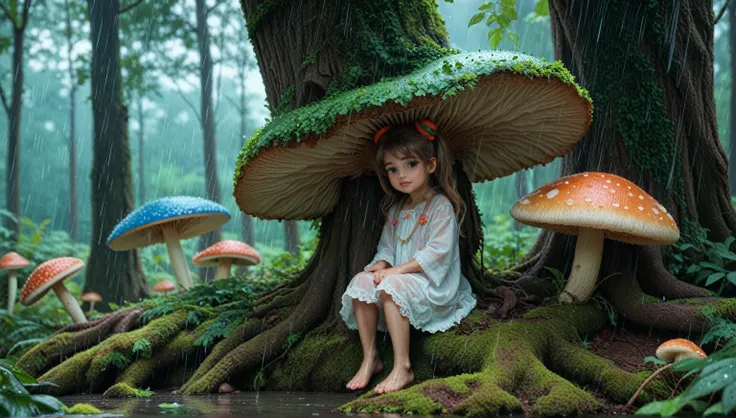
x,y
498,112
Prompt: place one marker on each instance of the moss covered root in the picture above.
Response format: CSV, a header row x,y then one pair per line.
x,y
500,364
85,369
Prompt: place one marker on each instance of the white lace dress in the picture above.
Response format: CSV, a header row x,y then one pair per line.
x,y
434,300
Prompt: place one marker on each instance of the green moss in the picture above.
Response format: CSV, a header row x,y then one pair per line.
x,y
123,390
444,77
725,308
82,409
35,361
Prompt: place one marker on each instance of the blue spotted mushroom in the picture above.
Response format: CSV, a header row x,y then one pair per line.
x,y
169,220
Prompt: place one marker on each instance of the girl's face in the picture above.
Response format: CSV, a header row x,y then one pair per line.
x,y
409,174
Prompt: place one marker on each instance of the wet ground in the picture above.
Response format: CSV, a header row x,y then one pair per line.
x,y
245,404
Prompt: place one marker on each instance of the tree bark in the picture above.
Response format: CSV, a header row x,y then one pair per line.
x,y
116,276
522,189
655,117
12,176
141,170
73,213
208,126
732,110
291,237
243,65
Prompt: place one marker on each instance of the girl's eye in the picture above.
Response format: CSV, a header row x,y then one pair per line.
x,y
412,164
391,170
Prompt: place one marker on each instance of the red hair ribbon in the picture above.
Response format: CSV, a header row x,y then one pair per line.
x,y
425,127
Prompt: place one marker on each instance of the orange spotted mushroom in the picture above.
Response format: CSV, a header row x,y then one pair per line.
x,y
224,254
11,262
595,206
164,286
51,275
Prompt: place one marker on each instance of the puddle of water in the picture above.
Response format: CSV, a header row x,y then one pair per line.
x,y
244,404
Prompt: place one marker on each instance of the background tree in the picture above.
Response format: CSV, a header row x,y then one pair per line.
x,y
18,16
116,276
732,111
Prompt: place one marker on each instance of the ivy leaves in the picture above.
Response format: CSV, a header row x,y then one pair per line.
x,y
498,15
15,400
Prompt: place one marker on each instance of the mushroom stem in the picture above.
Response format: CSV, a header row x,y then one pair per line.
x,y
223,268
630,403
12,288
70,304
176,258
91,307
585,266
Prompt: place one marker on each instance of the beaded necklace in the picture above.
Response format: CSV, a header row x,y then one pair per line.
x,y
416,223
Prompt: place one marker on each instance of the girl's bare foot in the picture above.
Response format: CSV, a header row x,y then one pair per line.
x,y
367,369
399,377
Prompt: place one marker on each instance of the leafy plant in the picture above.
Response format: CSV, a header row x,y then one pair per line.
x,y
498,15
16,401
502,245
707,263
714,376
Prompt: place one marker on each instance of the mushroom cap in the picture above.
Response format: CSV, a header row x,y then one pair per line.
x,y
190,215
497,111
241,253
686,349
91,297
164,286
13,261
599,201
46,275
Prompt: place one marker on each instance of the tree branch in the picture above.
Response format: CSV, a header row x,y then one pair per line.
x,y
130,6
723,10
187,101
26,12
214,7
5,100
7,13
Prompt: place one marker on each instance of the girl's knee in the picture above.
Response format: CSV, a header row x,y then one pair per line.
x,y
385,297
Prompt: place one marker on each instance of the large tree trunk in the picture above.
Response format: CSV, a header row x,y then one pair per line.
x,y
207,118
141,171
655,125
12,177
73,214
521,186
243,65
291,237
732,109
116,276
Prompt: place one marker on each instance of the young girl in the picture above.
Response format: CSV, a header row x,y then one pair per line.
x,y
415,277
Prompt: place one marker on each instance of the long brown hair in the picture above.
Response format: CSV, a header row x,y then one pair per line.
x,y
407,141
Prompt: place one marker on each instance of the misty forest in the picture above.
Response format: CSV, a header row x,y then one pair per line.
x,y
189,186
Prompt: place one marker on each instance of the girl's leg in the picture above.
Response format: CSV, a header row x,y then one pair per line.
x,y
398,327
366,316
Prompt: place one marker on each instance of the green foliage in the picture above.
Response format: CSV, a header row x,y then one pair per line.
x,y
221,327
714,376
23,329
142,348
498,16
117,360
502,245
16,401
704,262
722,329
443,78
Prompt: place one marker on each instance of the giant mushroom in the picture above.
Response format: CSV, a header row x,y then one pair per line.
x,y
498,112
51,275
169,220
224,254
11,262
595,206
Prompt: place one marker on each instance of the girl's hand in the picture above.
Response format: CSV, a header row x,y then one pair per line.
x,y
380,265
382,274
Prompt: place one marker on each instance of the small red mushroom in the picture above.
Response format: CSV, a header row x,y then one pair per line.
x,y
11,262
224,254
51,275
164,286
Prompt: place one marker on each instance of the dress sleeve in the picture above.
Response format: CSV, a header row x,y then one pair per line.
x,y
437,255
385,249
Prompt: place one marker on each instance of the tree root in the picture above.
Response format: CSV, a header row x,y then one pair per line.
x,y
503,363
58,347
278,302
135,375
659,282
239,335
86,368
509,302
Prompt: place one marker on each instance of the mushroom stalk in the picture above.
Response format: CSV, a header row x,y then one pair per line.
x,y
70,304
176,258
12,289
585,266
223,269
91,307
